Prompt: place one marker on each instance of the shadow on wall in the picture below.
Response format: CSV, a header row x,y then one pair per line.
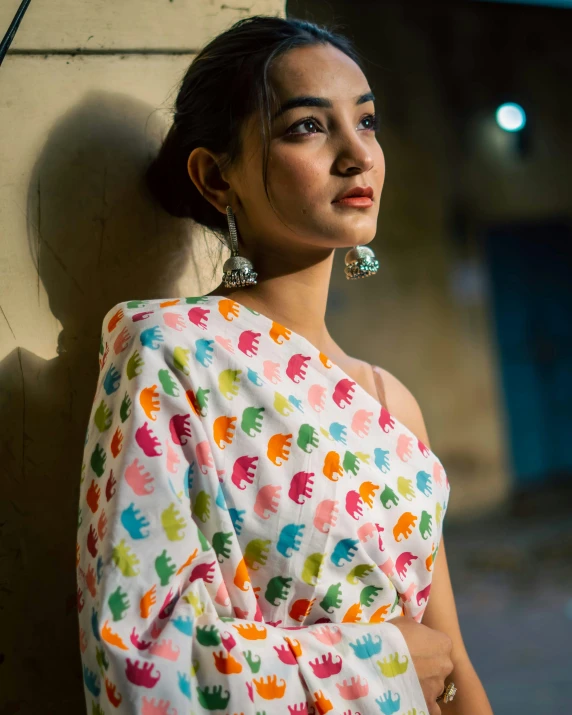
x,y
96,239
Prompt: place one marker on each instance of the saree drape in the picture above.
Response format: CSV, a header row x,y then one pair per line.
x,y
251,520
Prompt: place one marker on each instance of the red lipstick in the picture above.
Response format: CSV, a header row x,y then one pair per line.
x,y
358,196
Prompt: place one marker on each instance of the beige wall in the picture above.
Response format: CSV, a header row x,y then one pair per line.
x,y
92,25
77,235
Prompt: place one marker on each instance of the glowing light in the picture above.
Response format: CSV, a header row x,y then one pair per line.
x,y
511,117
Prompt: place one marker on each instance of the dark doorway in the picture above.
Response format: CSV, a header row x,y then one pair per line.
x,y
530,266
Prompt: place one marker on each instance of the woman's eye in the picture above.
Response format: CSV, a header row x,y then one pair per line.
x,y
303,122
372,118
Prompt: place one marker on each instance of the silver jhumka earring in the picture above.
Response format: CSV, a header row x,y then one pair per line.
x,y
238,272
360,262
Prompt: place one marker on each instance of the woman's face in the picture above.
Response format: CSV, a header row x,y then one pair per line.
x,y
312,160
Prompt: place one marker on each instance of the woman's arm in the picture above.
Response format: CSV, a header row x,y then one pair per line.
x,y
441,611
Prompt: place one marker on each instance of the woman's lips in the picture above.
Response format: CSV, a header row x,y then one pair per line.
x,y
357,201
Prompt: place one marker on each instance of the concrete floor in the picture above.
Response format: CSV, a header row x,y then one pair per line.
x,y
512,579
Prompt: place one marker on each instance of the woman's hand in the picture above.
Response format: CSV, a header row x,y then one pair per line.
x,y
431,653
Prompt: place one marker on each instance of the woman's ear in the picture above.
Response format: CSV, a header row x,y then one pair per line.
x,y
204,170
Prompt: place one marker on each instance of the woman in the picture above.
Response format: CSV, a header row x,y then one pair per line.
x,y
253,519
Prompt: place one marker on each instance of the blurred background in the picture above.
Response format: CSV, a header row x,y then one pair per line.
x,y
472,302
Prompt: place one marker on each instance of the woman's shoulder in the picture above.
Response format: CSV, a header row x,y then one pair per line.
x,y
162,327
403,405
128,311
140,313
397,398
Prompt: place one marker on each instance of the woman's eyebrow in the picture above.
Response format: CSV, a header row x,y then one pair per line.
x,y
317,102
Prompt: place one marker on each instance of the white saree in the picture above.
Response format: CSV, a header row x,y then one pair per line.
x,y
251,521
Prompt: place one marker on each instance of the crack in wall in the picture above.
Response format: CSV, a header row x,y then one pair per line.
x,y
72,51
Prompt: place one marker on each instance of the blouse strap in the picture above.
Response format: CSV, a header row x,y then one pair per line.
x,y
379,384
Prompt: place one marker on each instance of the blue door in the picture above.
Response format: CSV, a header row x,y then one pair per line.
x,y
530,268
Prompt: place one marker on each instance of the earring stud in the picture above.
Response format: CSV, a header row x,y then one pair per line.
x,y
360,262
238,271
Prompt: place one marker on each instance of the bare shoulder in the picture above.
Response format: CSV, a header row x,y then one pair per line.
x,y
402,404
400,401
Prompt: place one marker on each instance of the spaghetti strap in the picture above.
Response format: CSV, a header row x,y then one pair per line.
x,y
379,384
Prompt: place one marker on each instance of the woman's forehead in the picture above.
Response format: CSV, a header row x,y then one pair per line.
x,y
315,69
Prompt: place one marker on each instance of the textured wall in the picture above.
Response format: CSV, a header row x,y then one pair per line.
x,y
77,235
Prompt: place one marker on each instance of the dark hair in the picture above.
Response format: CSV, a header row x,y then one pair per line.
x,y
226,82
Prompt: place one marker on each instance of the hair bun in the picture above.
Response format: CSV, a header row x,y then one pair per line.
x,y
168,180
